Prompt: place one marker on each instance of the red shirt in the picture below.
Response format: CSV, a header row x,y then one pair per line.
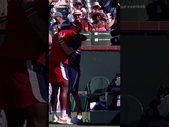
x,y
21,41
84,24
57,52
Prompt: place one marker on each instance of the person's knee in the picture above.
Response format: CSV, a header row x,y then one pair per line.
x,y
76,95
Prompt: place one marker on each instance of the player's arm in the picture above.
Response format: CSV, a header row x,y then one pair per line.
x,y
66,48
107,26
75,44
39,25
86,27
112,22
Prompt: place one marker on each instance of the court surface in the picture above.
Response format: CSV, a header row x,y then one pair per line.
x,y
86,120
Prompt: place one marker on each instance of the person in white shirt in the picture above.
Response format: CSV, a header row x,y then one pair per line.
x,y
79,6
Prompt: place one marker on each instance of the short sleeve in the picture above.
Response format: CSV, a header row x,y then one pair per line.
x,y
86,24
83,9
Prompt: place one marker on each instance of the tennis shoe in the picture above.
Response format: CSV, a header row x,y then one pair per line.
x,y
77,121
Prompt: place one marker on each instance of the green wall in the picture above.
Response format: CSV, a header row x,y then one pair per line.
x,y
98,63
135,10
144,65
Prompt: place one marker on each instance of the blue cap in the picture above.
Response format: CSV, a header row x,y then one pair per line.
x,y
58,14
106,3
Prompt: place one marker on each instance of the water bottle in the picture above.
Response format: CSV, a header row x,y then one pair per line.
x,y
106,100
118,101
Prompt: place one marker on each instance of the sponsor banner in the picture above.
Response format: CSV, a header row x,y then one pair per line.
x,y
136,10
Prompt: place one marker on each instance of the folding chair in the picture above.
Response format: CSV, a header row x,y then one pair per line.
x,y
96,88
131,111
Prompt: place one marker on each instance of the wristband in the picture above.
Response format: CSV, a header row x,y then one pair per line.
x,y
62,42
30,11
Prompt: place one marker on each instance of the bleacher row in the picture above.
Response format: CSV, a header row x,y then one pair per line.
x,y
93,38
96,38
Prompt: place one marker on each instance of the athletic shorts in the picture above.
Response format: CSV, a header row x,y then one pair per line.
x,y
57,72
74,76
22,83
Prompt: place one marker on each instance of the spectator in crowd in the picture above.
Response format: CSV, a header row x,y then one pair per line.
x,y
115,23
114,88
65,1
96,7
3,8
60,3
50,1
163,95
58,74
98,24
77,15
107,8
24,81
79,6
50,39
59,20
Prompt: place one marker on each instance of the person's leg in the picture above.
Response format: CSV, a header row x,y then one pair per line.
x,y
55,88
63,96
68,108
78,103
36,115
78,119
64,119
75,88
15,118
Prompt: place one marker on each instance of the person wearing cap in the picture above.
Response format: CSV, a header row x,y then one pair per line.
x,y
58,72
79,6
74,54
96,7
24,80
98,24
77,15
107,8
59,20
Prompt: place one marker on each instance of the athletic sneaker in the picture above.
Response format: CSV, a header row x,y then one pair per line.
x,y
64,120
55,119
75,120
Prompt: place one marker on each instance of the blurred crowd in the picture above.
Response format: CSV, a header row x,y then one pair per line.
x,y
94,15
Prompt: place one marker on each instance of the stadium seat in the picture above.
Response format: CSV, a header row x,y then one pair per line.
x,y
64,11
96,88
90,1
131,111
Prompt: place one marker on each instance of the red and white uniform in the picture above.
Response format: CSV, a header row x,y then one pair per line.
x,y
21,44
58,59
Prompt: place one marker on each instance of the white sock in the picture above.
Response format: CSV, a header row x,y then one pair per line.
x,y
54,113
79,117
63,113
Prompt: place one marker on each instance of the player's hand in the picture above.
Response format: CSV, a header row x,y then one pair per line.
x,y
61,36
